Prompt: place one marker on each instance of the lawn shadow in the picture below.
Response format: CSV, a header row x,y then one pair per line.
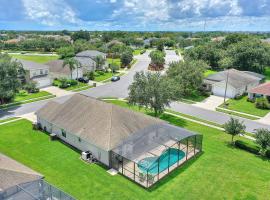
x,y
176,172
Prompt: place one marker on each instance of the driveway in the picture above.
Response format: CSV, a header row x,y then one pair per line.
x,y
56,91
210,103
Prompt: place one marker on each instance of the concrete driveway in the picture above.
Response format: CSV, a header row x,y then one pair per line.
x,y
56,91
210,103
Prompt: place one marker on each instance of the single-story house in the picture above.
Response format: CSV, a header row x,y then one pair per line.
x,y
22,183
239,82
118,137
262,90
36,72
87,59
58,71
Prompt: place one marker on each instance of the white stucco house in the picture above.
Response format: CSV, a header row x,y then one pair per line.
x,y
239,82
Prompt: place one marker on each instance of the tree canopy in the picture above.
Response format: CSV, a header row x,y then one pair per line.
x,y
150,90
234,127
9,78
186,76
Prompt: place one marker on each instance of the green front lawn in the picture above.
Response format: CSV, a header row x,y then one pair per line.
x,y
221,172
102,76
242,105
137,52
195,97
36,58
24,97
27,96
79,87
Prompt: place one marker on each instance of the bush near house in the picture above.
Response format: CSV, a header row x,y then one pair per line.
x,y
250,147
262,103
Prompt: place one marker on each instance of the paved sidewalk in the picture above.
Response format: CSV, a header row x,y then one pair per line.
x,y
30,116
265,119
210,103
56,91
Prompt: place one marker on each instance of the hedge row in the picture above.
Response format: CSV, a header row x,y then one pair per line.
x,y
252,148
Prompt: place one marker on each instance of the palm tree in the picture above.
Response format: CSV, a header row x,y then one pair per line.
x,y
72,64
100,61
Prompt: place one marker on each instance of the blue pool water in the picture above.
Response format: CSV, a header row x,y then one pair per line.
x,y
151,163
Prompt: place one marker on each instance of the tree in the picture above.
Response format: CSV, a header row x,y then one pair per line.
x,y
262,137
66,52
160,45
234,127
100,61
81,35
186,76
150,90
249,55
126,58
72,64
9,81
157,59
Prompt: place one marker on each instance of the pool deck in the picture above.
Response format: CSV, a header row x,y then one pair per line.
x,y
141,178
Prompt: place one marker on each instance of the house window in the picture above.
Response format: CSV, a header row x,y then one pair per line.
x,y
79,139
41,71
64,133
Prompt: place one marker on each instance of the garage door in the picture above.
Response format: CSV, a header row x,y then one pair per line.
x,y
219,91
43,83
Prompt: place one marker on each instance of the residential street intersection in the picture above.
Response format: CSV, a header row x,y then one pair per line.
x,y
120,89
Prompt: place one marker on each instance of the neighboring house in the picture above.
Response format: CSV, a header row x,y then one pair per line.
x,y
239,82
18,182
87,59
114,134
58,71
262,90
36,72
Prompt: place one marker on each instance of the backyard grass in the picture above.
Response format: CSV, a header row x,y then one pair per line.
x,y
209,72
242,105
115,61
221,172
36,58
267,74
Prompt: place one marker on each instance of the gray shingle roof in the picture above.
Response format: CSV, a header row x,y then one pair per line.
x,y
29,65
13,173
102,124
237,79
56,66
90,53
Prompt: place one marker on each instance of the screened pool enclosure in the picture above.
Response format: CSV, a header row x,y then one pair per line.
x,y
152,153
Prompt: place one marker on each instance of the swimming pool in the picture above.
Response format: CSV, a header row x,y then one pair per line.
x,y
151,163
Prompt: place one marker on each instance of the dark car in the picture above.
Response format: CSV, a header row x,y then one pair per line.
x,y
115,78
83,80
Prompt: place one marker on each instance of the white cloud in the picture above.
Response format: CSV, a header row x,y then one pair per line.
x,y
50,12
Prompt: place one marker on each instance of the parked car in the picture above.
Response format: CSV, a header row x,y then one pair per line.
x,y
83,80
115,78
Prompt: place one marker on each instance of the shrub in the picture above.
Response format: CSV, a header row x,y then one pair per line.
x,y
23,93
251,100
72,82
252,148
262,103
31,87
63,83
91,75
142,51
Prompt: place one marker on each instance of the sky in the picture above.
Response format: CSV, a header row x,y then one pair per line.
x,y
136,15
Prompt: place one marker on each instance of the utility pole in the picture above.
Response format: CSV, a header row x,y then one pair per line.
x,y
225,94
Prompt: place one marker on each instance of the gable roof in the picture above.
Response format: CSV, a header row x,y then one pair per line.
x,y
56,66
13,173
236,79
90,53
102,124
261,89
29,65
